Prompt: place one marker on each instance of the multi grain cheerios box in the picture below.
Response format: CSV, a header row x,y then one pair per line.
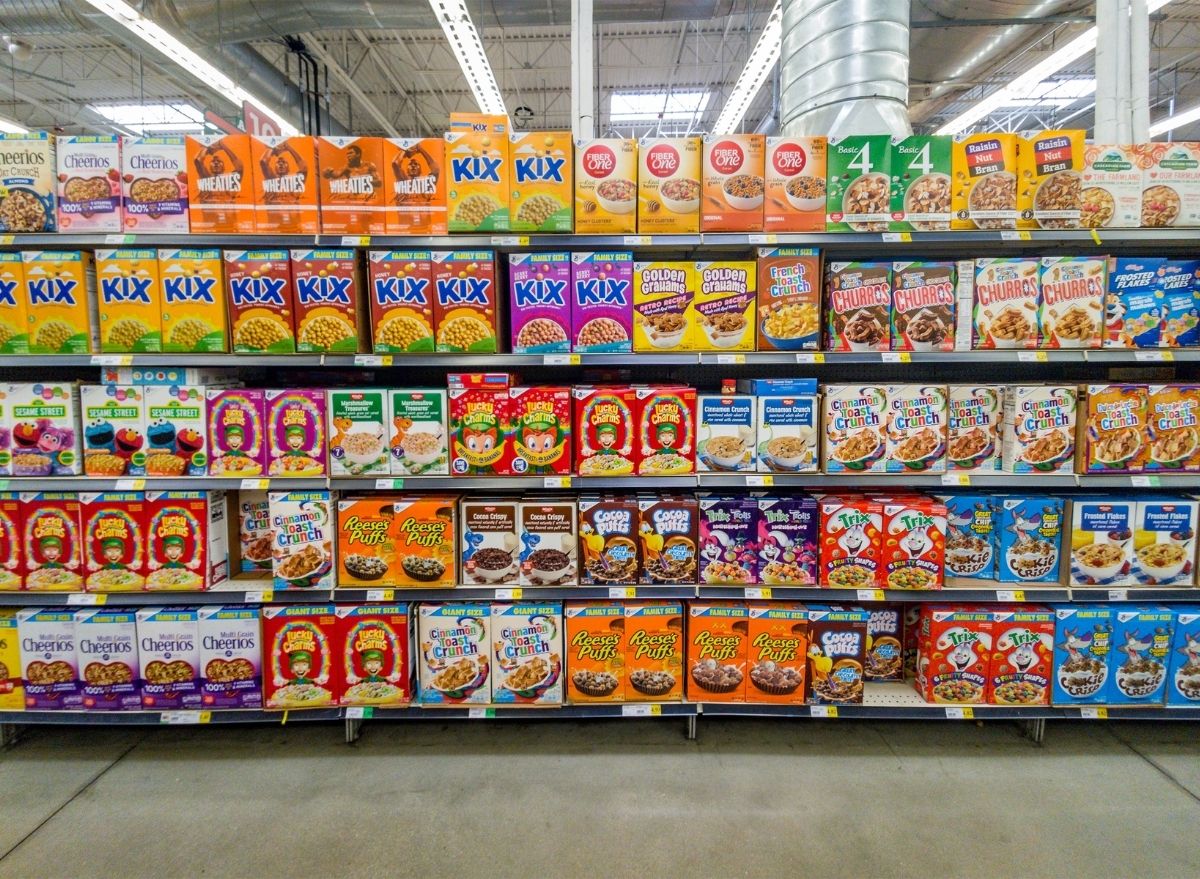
x,y
1007,301
14,318
1171,185
261,301
296,432
454,650
373,647
795,184
230,656
921,183
540,168
130,300
300,666
606,189
193,301
154,191
329,314
727,438
984,192
724,306
858,306
1049,173
1072,312
1039,428
465,310
527,653
114,430
973,427
1134,306
284,171
663,310
1180,286
12,690
734,186
414,181
359,424
49,661
539,310
1102,541
220,184
478,186
855,419
114,540
858,184
59,287
28,180
1164,541
45,429
417,437
602,301
303,529
1173,422
668,185
916,428
89,183
1115,434
351,186
106,654
401,295
1111,186
169,654
789,298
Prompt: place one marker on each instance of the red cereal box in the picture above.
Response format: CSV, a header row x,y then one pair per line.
x,y
10,542
1022,655
464,283
187,541
372,647
953,654
52,540
851,544
114,540
261,301
914,544
301,666
401,297
666,425
605,437
480,432
329,313
541,430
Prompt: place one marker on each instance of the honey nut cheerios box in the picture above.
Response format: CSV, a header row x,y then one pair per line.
x,y
478,182
301,668
668,185
465,308
1007,301
14,319
28,182
1073,291
733,189
284,172
414,183
541,164
114,430
453,654
1049,176
129,300
1115,435
984,192
60,286
789,298
169,656
1111,186
401,295
527,653
654,651
1173,423
717,633
262,302
193,301
595,651
795,184
154,191
114,540
858,184
12,689
724,306
89,183
663,305
1171,185
107,660
329,311
220,184
606,196
351,185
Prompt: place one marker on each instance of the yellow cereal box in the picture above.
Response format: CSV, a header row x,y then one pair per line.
x,y
130,303
724,306
541,168
59,287
14,325
12,694
734,167
606,185
1049,179
477,179
669,185
193,300
984,193
663,315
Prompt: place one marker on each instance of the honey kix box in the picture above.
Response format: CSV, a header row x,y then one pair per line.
x,y
478,185
14,315
669,185
193,301
464,283
414,182
541,165
130,303
261,303
220,184
401,298
59,285
329,313
351,185
606,186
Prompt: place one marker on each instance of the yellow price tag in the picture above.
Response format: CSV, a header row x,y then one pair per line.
x,y
731,358
622,592
129,485
102,598
380,594
1095,236
283,722
268,595
818,357
1168,356
656,709
205,717
7,239
1024,236
516,594
968,712
575,360
255,484
905,357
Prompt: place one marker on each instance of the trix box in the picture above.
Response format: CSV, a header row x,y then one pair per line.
x,y
539,302
602,301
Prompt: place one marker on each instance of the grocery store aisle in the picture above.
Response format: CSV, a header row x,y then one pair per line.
x,y
559,798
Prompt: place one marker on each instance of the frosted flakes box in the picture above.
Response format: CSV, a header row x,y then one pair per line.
x,y
89,182
129,301
328,310
1180,287
724,306
789,298
777,653
856,426
301,668
478,182
984,192
1030,529
414,183
606,189
154,190
549,541
916,428
11,546
296,432
230,656
795,184
14,320
541,163
303,529
666,425
734,182
663,312
106,652
114,540
858,306
28,181
654,651
237,440
220,184
667,530
858,188
373,648
114,430
254,531
12,690
540,419
605,435
1101,541
727,438
465,310
1134,306
401,295
1082,648
1173,422
602,301
923,300
1116,433
284,174
261,301
359,424
1049,176
454,645
595,645
527,653
187,544
1171,185
1072,312
1039,429
787,433
193,301
1007,300
1164,541
669,185
971,537
351,186
45,435
973,427
1111,186
787,540
59,285
728,536
169,653
1141,652
49,663
176,420
539,310
52,537
480,432
418,444
921,184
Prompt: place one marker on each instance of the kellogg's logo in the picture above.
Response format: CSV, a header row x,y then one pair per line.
x,y
599,161
789,159
726,157
662,160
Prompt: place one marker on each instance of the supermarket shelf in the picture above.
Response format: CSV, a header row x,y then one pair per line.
x,y
952,593
182,483
512,593
528,712
154,599
160,718
834,358
512,483
925,480
1140,594
970,242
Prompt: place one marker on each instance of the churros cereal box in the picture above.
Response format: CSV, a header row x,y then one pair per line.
x,y
373,649
261,301
669,185
1173,422
654,651
716,652
663,312
14,320
777,653
858,306
1116,434
12,691
540,173
401,294
351,190
923,300
114,540
193,301
921,169
984,192
284,171
27,179
1171,185
414,183
220,184
795,199
1072,313
89,182
454,651
1111,196
789,298
595,651
527,653
733,171
130,300
858,184
154,191
606,196
724,306
296,431
237,432
478,184
464,283
1049,173
1007,301
329,314
59,285
114,430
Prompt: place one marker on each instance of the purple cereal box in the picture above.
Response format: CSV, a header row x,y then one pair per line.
x,y
728,539
169,650
49,666
231,657
602,301
236,432
106,655
787,541
539,298
296,432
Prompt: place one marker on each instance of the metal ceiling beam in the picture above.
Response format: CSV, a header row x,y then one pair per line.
x,y
384,66
322,54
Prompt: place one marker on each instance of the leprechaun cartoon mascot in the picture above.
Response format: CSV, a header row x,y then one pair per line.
x,y
51,547
540,441
299,666
235,438
173,547
294,438
372,664
113,550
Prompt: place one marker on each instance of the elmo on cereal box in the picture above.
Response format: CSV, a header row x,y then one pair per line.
x,y
541,430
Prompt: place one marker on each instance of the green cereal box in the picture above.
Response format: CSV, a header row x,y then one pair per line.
x,y
920,172
418,432
359,424
858,184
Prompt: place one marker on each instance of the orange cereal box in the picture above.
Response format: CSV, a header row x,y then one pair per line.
x,y
477,181
1049,179
59,286
734,165
414,183
1173,422
595,651
193,301
716,654
220,184
284,171
984,190
14,319
776,653
795,184
130,300
606,194
464,282
541,166
669,185
914,544
261,303
1115,436
329,313
654,651
351,190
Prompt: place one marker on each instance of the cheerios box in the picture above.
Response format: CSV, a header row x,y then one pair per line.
x,y
401,296
329,312
606,173
1180,286
285,185
602,301
27,179
669,185
540,173
89,182
261,301
48,661
414,182
130,300
106,655
1111,196
351,185
169,654
733,182
1049,174
1134,305
465,308
1007,301
60,286
984,192
539,313
1072,312
43,420
1031,538
858,184
1140,655
114,430
303,532
14,318
527,653
724,306
789,298
478,183
795,184
220,184
663,310
154,191
453,655
1039,428
231,656
921,183
193,301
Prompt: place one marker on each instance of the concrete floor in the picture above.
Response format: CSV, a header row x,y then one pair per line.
x,y
616,798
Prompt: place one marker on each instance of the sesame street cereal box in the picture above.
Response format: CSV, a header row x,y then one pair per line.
x,y
454,650
220,184
464,282
540,419
973,427
858,302
414,183
401,296
1134,306
1173,422
59,285
527,653
606,194
373,648
296,432
727,438
795,197
728,539
923,300
329,314
1007,301
669,185
1030,529
89,182
187,544
789,298
230,656
549,541
49,664
539,302
417,441
916,429
663,314
856,427
237,441
14,321
114,430
114,540
130,303
921,183
193,301
954,654
478,180
261,301
176,430
1115,435
858,184
884,659
913,543
540,174
27,178
605,431
1082,645
851,541
837,653
254,532
1140,655
666,424
777,653
1039,429
301,666
10,542
602,301
53,540
1180,285
724,306
1111,195
1049,175
358,428
303,529
654,651
351,186
733,174
787,540
154,191
716,653
480,432
984,191
12,691
169,653
595,650
285,185
1072,312
609,548
44,423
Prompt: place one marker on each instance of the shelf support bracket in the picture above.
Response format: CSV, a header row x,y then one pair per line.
x,y
353,730
1034,730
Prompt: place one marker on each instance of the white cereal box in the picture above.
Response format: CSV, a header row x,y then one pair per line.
x,y
1171,185
154,195
1072,312
916,429
1102,541
1164,541
48,659
527,651
1112,186
230,656
1007,299
106,654
27,182
114,430
726,438
169,651
973,432
359,425
856,419
89,183
1039,428
453,661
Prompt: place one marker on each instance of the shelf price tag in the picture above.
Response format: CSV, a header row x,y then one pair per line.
x,y
956,479
895,357
647,710
374,595
561,360
508,594
637,240
1096,237
258,596
556,482
389,484
897,236
510,240
870,595
1010,595
759,238
1011,235
960,712
372,359
1091,712
1033,357
622,592
731,358
759,481
1118,594
6,240
87,599
810,356
129,485
112,360
823,711
1144,481
756,592
356,241
360,712
119,238
255,484
185,717
480,713
1154,356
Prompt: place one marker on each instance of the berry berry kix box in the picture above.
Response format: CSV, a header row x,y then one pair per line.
x,y
539,302
540,167
328,309
602,301
261,301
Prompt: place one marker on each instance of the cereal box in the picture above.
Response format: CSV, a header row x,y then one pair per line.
x,y
724,306
857,420
284,173
795,183
358,431
539,302
663,294
230,656
220,184
401,297
727,438
669,185
193,301
970,536
836,654
549,541
373,646
1164,541
329,313
351,187
11,547
1180,286
851,541
44,419
609,545
366,541
920,192
1072,312
1049,176
12,691
540,419
954,656
916,428
729,530
301,668
973,427
237,426
1141,652
595,651
49,664
1115,436
480,432
478,184
14,320
541,163
53,540
169,652
1111,186
984,193
455,649
162,376
1007,302
606,195
187,544
527,652
489,541
114,540
1082,647
27,178
414,182
1173,424
777,653
787,433
716,655
602,301
789,298
6,424
261,301
1039,429
858,303
858,189
302,536
884,659
923,300
667,528
176,422
114,430
59,285
787,540
654,651
465,308
733,174
666,420
606,439
89,182
913,544
425,540
254,531
912,631
1134,306
154,190
1183,688
106,655
1171,185
1030,529
418,434
130,304
296,431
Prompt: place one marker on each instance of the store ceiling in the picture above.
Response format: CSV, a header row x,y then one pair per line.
x,y
400,63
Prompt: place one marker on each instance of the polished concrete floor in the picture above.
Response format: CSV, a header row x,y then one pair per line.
x,y
613,799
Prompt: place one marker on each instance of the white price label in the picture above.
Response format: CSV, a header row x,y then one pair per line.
x,y
256,484
823,711
374,595
355,712
1118,594
1152,356
118,238
389,484
1033,357
1013,235
479,713
356,241
1143,481
561,360
129,485
112,360
1091,712
870,595
259,596
185,717
510,240
758,238
810,356
647,710
637,240
1010,595
508,594
372,359
556,482
960,712
731,358
756,593
622,592
86,599
756,481
895,357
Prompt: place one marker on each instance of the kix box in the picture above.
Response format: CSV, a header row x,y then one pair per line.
x,y
261,310
130,304
329,315
540,173
401,296
14,323
193,300
477,178
464,283
59,287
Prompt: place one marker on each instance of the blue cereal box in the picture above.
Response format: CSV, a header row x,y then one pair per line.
x,y
1164,541
1030,531
1180,284
1082,649
1133,306
1183,685
971,537
1141,652
727,438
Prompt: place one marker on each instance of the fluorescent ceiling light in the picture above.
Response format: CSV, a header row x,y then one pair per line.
x,y
464,40
1177,121
1057,93
150,119
758,67
673,107
9,127
1027,82
162,41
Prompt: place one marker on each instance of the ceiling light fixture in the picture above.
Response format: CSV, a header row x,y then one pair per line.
x,y
758,67
464,41
1177,121
9,127
162,41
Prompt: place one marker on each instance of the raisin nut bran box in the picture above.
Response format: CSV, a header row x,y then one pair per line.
x,y
527,653
595,651
302,669
654,651
465,308
1050,166
777,653
716,654
454,652
836,654
984,192
859,300
373,645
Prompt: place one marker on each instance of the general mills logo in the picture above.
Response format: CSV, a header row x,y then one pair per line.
x,y
257,291
330,290
401,291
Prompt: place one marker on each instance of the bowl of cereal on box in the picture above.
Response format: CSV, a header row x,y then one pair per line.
x,y
665,330
806,193
363,448
1164,561
1045,452
920,450
617,196
302,568
1100,561
744,192
790,452
857,450
724,452
791,326
1116,449
680,195
490,564
724,330
423,443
